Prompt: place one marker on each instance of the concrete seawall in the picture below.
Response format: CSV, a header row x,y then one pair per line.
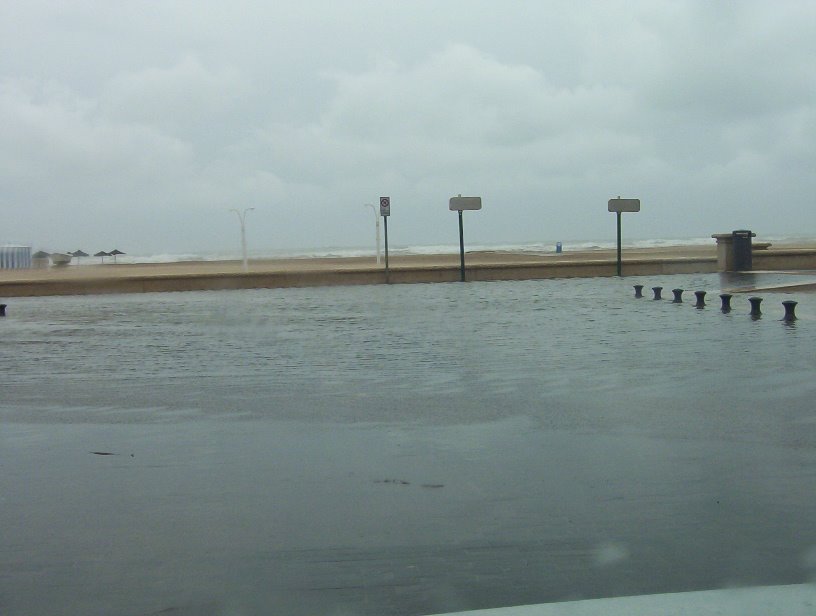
x,y
405,269
791,259
327,276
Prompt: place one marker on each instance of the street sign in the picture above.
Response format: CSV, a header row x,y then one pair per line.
x,y
465,203
385,206
624,205
460,204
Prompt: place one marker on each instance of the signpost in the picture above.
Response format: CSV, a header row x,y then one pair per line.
x,y
459,204
385,212
618,206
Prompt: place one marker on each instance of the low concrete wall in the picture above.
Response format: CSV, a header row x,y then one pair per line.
x,y
348,276
780,260
592,269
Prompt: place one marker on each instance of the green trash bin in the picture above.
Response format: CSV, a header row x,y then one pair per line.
x,y
743,261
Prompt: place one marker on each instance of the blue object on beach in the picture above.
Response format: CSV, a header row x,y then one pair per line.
x,y
558,247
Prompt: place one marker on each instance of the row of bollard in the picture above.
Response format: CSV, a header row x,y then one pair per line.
x,y
725,298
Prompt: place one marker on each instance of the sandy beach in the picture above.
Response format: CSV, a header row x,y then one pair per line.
x,y
330,263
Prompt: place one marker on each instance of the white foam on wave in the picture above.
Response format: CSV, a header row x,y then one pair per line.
x,y
542,247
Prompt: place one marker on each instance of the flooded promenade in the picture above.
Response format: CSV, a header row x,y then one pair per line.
x,y
404,449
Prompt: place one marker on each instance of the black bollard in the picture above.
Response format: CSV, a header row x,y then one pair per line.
x,y
790,310
2,310
700,299
726,302
638,290
657,292
755,310
678,296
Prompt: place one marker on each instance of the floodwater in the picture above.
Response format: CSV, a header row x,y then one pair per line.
x,y
401,449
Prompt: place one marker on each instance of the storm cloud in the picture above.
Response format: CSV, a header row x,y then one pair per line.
x,y
141,124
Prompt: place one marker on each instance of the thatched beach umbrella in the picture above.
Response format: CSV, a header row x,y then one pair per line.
x,y
115,252
102,254
78,254
40,259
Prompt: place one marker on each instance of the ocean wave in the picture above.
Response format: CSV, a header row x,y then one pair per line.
x,y
546,247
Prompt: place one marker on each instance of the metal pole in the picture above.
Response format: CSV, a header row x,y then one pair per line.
x,y
619,243
461,249
243,241
377,225
378,237
385,224
242,219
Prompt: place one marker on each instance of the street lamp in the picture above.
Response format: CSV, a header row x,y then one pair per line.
x,y
242,218
377,222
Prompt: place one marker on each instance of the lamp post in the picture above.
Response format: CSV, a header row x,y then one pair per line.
x,y
377,223
242,218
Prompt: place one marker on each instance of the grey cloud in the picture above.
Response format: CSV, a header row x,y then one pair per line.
x,y
463,94
59,140
185,94
145,119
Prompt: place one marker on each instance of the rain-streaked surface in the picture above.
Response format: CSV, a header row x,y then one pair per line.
x,y
401,450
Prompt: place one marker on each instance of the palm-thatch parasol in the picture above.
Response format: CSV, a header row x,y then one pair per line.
x,y
102,254
78,254
115,252
40,259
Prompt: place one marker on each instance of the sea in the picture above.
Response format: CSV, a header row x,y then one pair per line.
x,y
135,255
406,449
536,247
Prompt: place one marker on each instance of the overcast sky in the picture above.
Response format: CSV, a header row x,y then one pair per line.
x,y
140,124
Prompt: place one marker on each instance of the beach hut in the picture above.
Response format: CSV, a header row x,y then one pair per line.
x,y
61,259
115,252
102,254
15,257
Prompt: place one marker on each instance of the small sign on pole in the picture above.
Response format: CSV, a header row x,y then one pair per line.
x,y
460,204
385,212
622,205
